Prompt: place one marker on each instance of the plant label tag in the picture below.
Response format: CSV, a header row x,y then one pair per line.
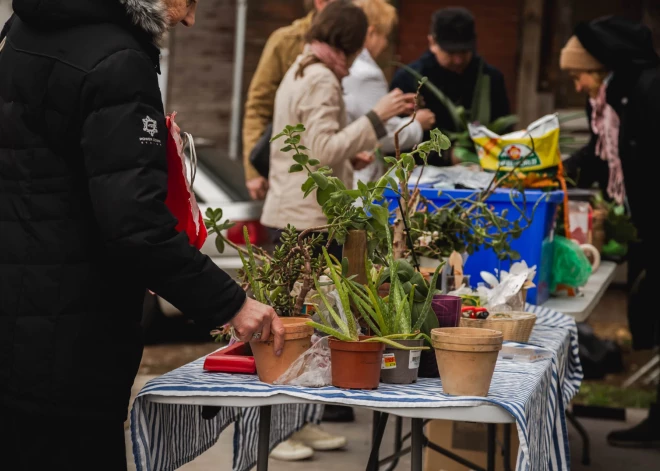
x,y
413,359
389,361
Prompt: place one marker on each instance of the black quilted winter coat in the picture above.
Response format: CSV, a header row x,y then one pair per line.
x,y
84,230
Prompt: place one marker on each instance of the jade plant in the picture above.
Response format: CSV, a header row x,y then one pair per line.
x,y
272,277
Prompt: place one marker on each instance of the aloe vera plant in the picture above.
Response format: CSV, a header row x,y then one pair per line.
x,y
383,317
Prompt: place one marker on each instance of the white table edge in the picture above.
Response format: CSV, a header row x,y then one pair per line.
x,y
486,413
581,308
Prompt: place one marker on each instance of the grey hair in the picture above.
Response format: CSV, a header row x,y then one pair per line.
x,y
148,15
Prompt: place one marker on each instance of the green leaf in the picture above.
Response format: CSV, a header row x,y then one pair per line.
x,y
503,123
465,155
314,162
286,149
296,168
219,244
322,196
344,267
299,128
392,183
330,331
308,186
381,214
302,159
321,180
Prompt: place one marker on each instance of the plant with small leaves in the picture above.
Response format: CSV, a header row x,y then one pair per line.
x,y
466,225
215,225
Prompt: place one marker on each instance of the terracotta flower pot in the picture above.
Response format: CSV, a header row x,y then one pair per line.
x,y
356,365
297,339
466,359
401,366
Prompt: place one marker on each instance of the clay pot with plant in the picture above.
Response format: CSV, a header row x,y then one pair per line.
x,y
357,359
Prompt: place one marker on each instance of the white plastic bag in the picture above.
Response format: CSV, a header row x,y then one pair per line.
x,y
312,369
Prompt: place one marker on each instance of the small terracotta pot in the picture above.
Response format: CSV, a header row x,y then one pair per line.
x,y
297,339
466,358
401,366
356,365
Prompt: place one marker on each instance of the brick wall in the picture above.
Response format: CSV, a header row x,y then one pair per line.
x,y
497,26
202,61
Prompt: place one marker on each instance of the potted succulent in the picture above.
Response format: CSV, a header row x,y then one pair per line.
x,y
357,359
399,315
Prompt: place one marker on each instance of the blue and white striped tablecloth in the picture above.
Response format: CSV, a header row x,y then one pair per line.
x,y
166,436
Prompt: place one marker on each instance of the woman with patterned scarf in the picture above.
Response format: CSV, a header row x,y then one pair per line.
x,y
612,60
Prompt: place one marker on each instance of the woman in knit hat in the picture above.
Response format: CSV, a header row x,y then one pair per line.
x,y
612,60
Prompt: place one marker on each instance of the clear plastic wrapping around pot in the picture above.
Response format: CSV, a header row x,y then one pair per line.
x,y
312,369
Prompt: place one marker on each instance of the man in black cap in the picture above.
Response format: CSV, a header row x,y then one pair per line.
x,y
452,65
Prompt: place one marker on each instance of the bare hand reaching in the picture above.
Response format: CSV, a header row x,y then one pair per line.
x,y
258,321
394,104
258,187
362,160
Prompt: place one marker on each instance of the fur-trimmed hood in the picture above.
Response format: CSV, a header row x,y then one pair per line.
x,y
149,16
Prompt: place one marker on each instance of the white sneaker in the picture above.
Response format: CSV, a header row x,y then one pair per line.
x,y
291,450
317,438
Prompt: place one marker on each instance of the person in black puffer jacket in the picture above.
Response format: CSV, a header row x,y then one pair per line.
x,y
85,230
612,60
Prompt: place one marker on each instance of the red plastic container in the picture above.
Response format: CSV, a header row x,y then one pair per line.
x,y
235,359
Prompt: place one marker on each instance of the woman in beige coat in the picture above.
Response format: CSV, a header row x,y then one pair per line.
x,y
311,94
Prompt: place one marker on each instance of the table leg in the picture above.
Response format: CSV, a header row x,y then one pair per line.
x,y
374,426
506,452
380,422
398,442
264,438
490,464
417,429
586,458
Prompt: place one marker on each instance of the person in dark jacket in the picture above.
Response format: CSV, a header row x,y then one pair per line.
x,y
612,60
452,65
85,230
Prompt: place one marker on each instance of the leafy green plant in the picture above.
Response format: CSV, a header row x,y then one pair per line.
x,y
339,202
404,311
480,112
466,225
414,282
383,318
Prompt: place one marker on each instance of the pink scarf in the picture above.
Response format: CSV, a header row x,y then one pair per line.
x,y
333,58
605,124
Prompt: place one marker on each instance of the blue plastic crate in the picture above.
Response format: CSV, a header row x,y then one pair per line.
x,y
534,245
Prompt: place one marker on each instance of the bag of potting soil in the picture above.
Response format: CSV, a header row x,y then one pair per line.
x,y
533,152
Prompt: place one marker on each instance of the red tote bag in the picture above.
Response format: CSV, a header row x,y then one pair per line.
x,y
180,196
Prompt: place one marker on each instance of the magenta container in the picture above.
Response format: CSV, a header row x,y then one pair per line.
x,y
447,309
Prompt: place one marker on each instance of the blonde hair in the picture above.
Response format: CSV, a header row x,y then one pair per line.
x,y
381,15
